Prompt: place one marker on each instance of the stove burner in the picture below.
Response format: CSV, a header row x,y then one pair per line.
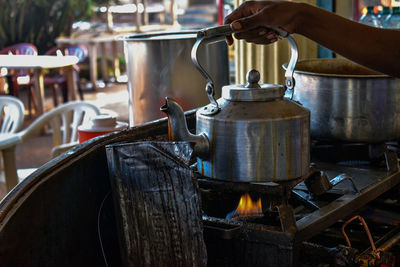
x,y
275,198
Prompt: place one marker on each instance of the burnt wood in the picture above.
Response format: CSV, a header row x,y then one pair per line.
x,y
157,204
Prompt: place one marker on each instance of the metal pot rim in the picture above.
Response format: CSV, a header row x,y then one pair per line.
x,y
325,60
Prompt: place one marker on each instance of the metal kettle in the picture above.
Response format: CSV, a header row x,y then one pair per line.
x,y
252,133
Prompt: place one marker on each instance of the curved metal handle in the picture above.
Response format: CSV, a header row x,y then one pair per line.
x,y
215,34
206,36
294,56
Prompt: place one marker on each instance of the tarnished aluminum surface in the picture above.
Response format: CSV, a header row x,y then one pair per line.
x,y
256,141
257,92
247,140
251,133
348,102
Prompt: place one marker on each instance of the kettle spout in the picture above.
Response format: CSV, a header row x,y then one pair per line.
x,y
178,130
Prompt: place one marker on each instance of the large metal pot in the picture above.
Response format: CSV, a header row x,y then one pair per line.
x,y
159,64
347,101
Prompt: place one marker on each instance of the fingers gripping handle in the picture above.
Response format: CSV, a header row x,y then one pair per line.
x,y
226,29
213,32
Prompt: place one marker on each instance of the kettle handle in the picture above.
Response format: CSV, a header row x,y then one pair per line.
x,y
218,33
206,36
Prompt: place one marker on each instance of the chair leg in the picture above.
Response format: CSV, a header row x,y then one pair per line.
x,y
10,85
64,90
32,100
80,91
15,87
54,92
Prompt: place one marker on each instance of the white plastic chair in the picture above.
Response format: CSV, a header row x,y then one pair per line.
x,y
12,113
63,122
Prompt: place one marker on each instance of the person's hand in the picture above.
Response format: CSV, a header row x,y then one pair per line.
x,y
254,21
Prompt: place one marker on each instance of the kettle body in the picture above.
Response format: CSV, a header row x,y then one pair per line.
x,y
256,140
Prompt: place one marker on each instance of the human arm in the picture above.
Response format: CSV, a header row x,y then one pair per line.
x,y
376,48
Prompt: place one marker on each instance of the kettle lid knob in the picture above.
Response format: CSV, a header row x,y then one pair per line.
x,y
253,91
253,77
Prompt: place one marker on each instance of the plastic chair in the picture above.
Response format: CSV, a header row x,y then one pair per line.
x,y
63,121
14,80
12,113
20,49
58,80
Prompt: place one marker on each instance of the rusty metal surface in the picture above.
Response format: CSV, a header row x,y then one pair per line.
x,y
372,183
317,255
383,245
250,245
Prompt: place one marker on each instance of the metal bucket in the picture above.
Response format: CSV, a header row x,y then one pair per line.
x,y
160,65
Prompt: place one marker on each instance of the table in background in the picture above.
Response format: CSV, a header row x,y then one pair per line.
x,y
91,40
38,63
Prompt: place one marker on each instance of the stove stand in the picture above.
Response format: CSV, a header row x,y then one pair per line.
x,y
295,212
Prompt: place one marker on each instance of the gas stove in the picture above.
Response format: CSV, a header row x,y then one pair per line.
x,y
300,215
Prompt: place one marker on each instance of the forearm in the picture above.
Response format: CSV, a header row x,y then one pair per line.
x,y
375,48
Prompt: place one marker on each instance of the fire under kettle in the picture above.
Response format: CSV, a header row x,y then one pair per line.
x,y
252,133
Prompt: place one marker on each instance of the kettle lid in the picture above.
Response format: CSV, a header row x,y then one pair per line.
x,y
253,91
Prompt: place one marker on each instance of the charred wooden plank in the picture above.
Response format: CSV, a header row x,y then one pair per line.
x,y
157,204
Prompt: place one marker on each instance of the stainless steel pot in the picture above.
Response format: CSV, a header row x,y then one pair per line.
x,y
347,101
159,64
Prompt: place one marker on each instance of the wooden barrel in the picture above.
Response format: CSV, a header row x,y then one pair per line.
x,y
53,218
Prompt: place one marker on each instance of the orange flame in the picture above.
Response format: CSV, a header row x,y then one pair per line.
x,y
378,9
364,10
247,207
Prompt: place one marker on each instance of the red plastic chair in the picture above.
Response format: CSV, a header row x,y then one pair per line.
x,y
12,79
20,49
58,80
